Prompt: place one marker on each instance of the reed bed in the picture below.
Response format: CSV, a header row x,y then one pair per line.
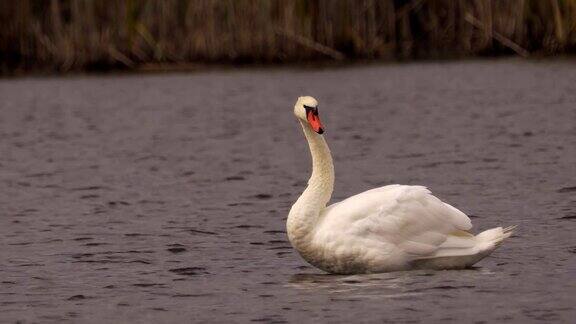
x,y
64,35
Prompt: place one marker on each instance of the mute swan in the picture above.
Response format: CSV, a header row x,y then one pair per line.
x,y
395,227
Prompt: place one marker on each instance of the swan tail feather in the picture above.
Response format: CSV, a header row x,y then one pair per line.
x,y
492,238
462,251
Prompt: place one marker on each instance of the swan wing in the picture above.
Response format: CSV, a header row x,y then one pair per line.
x,y
401,219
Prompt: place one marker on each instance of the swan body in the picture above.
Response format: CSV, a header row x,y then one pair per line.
x,y
391,228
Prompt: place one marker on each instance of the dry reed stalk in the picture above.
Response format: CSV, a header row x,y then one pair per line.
x,y
505,41
312,45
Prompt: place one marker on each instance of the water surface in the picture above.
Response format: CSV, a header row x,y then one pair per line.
x,y
163,198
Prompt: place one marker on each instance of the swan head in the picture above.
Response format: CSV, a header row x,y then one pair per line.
x,y
306,109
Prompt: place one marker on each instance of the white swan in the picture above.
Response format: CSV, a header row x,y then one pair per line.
x,y
395,227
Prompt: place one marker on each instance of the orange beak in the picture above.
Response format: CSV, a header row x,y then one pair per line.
x,y
314,120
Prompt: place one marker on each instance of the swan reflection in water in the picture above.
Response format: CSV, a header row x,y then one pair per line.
x,y
388,285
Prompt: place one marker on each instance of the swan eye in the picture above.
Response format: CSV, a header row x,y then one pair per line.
x,y
308,108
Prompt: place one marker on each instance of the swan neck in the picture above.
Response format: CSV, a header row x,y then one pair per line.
x,y
306,212
321,182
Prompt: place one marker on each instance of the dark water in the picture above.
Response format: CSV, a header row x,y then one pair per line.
x,y
163,198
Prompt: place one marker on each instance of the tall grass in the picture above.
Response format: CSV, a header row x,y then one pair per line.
x,y
67,35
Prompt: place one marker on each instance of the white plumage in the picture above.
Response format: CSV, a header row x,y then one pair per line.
x,y
395,227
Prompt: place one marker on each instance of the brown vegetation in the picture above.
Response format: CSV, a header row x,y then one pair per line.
x,y
68,35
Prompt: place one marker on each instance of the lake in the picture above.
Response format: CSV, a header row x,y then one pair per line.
x,y
163,197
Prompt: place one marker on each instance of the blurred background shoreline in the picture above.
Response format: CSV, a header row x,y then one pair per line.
x,y
62,36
